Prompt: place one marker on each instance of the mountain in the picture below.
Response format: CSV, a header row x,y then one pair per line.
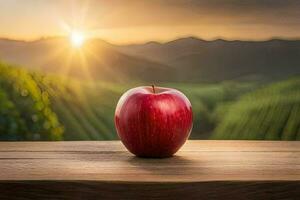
x,y
165,52
96,60
199,60
182,60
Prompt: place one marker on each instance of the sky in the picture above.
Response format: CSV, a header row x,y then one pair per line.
x,y
135,21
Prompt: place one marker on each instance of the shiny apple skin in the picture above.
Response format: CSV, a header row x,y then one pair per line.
x,y
153,124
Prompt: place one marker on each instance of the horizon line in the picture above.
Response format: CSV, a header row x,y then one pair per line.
x,y
157,41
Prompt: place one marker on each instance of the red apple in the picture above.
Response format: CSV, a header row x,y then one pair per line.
x,y
153,121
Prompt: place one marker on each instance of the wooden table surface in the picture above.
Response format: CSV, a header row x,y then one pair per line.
x,y
210,169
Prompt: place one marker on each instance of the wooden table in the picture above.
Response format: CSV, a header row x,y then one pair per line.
x,y
105,170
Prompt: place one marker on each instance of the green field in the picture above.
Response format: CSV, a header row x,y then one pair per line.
x,y
87,109
38,107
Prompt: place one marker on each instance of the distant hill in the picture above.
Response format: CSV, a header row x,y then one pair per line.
x,y
182,60
97,60
199,60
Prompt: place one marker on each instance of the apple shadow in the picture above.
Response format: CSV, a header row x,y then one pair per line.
x,y
165,167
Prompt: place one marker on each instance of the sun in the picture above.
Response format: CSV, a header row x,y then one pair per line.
x,y
77,39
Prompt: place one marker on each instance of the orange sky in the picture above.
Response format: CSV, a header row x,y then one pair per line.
x,y
132,21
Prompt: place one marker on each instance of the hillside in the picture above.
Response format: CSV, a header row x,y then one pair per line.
x,y
270,113
51,107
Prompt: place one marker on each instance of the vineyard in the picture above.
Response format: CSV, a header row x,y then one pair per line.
x,y
270,113
25,109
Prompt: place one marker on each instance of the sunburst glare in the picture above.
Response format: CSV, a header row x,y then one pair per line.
x,y
77,39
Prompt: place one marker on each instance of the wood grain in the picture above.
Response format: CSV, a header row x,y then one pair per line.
x,y
211,169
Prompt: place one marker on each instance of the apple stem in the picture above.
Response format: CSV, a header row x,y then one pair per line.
x,y
153,89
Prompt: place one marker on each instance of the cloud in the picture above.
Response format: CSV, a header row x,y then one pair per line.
x,y
195,12
203,18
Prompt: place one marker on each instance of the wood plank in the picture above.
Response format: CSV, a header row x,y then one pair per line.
x,y
191,145
201,168
129,191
